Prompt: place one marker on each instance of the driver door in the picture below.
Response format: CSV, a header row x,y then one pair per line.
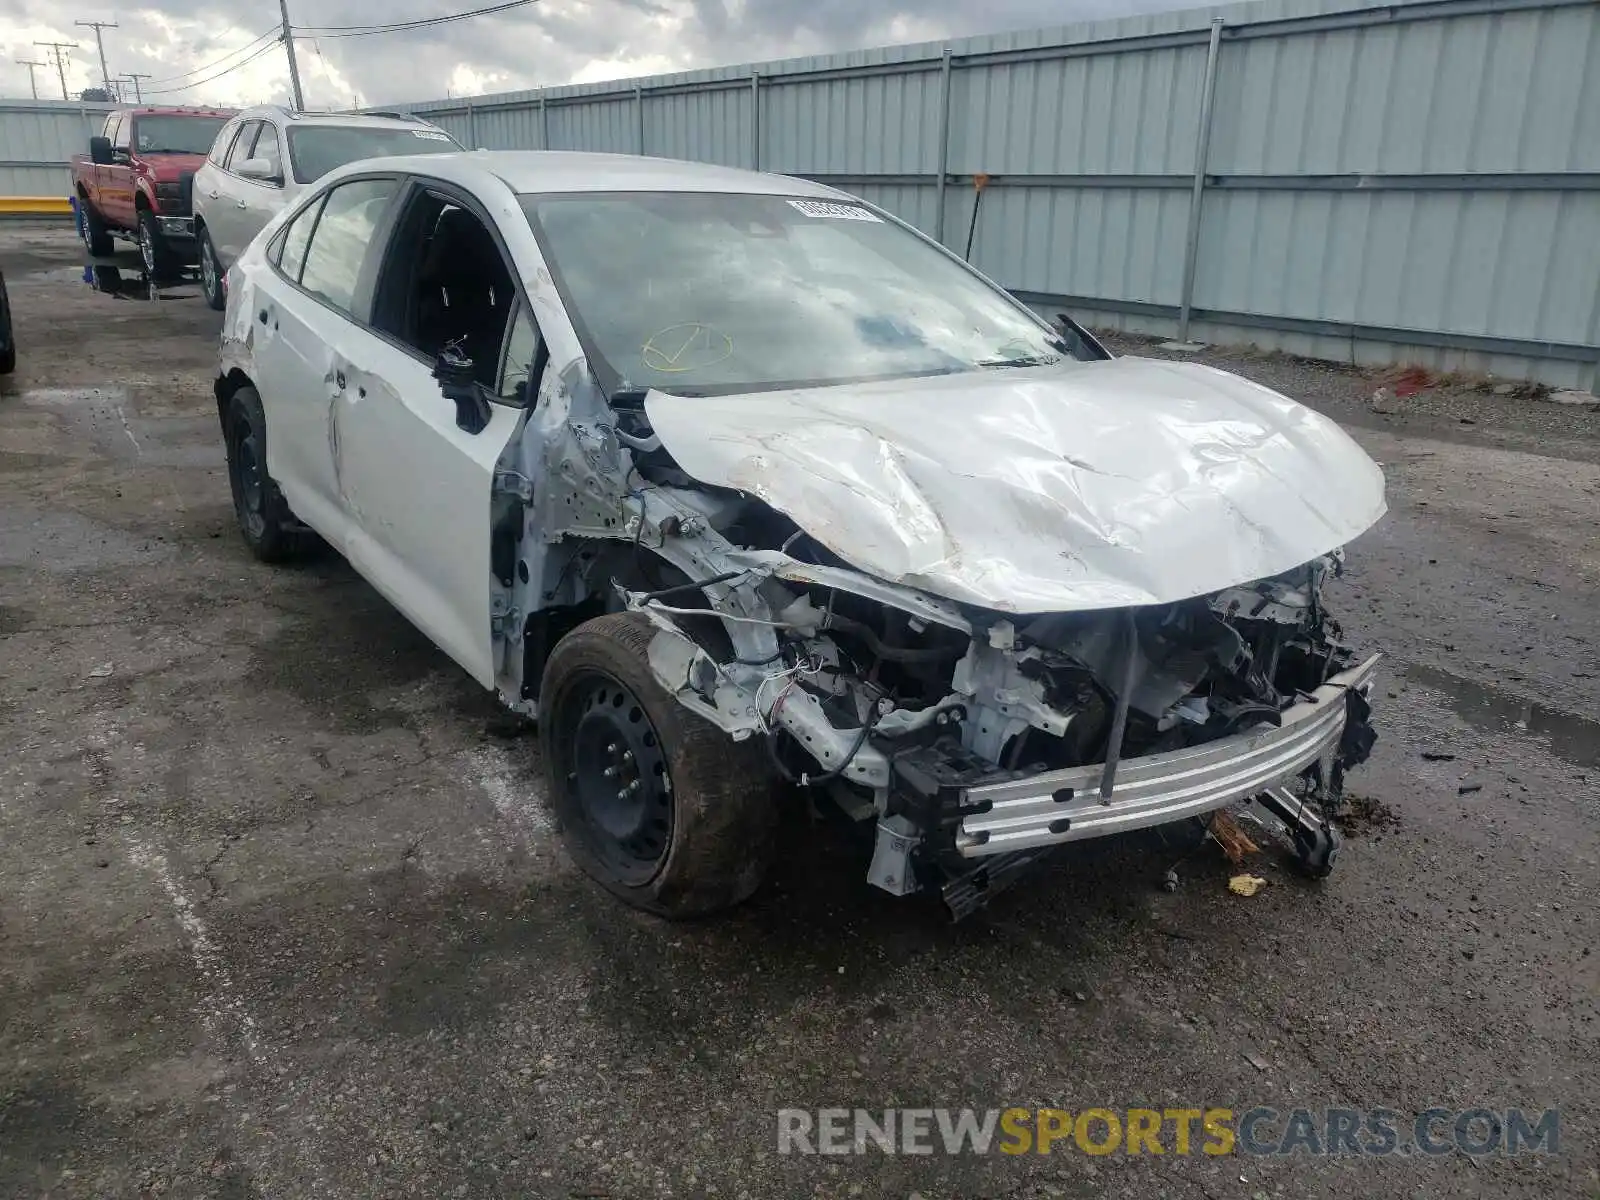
x,y
416,483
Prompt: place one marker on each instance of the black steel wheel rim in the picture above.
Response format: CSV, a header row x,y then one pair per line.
x,y
616,776
246,474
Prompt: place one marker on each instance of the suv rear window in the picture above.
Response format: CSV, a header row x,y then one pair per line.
x,y
314,150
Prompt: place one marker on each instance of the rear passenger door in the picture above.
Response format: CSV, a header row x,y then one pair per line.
x,y
305,330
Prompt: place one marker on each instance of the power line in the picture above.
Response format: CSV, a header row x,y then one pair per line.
x,y
271,33
266,49
401,26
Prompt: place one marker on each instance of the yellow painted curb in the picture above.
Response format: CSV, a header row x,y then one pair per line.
x,y
40,206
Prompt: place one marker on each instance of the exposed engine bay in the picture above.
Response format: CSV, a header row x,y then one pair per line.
x,y
908,709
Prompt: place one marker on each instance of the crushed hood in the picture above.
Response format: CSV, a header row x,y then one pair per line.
x,y
1053,489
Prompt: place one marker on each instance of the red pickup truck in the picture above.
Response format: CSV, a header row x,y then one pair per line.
x,y
136,182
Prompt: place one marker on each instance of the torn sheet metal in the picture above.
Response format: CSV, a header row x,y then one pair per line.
x,y
1057,489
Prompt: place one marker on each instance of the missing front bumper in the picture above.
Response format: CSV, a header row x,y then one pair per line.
x,y
1065,806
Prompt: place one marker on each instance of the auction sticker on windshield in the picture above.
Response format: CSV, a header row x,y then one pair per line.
x,y
430,135
839,212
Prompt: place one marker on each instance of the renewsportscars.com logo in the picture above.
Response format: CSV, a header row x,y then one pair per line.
x,y
1260,1131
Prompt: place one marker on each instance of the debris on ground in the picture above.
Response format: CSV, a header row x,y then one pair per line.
x,y
1466,789
1575,399
103,671
1362,814
1256,1061
1437,756
1235,843
1246,885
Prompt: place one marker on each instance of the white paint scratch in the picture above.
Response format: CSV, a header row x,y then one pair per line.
x,y
223,1005
516,793
128,429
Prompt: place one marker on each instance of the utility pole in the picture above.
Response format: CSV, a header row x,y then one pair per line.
x,y
97,26
58,51
133,77
294,67
32,82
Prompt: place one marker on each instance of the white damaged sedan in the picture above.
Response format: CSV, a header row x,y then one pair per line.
x,y
731,479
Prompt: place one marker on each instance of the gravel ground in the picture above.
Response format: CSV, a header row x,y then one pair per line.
x,y
283,913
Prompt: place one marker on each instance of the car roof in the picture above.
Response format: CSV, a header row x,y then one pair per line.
x,y
545,171
284,116
173,110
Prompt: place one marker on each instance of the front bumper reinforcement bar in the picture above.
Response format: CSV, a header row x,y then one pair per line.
x,y
1065,806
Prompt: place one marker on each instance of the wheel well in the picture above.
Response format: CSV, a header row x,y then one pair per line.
x,y
225,387
141,202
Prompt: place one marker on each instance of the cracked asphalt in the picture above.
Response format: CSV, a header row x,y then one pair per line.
x,y
283,914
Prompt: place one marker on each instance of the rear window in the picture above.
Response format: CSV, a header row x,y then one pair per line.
x,y
175,135
314,150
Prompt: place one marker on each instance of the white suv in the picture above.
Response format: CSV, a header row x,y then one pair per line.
x,y
265,157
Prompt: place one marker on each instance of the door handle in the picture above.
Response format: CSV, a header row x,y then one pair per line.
x,y
212,193
262,316
241,204
338,378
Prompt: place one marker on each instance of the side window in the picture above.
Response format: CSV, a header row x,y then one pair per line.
x,y
111,124
241,144
121,131
519,366
350,217
224,143
292,246
266,147
445,283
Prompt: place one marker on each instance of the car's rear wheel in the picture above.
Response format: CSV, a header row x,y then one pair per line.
x,y
96,237
659,806
268,527
211,273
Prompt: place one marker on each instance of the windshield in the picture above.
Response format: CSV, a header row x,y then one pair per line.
x,y
314,150
695,292
175,135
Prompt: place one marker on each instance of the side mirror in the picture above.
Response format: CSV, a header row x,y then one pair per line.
x,y
454,372
257,168
100,151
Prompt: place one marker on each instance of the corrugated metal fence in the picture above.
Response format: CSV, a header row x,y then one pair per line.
x,y
38,138
1416,182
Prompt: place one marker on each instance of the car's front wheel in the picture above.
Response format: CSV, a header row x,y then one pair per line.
x,y
268,527
159,262
211,273
661,807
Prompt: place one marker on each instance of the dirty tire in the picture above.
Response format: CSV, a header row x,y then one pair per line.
x,y
723,811
268,527
211,273
95,234
159,262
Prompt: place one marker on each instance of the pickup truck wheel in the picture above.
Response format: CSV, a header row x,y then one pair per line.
x,y
159,263
211,273
269,528
96,237
658,805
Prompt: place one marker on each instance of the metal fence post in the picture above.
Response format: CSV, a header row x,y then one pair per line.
x,y
944,147
755,120
1202,149
544,122
472,126
638,101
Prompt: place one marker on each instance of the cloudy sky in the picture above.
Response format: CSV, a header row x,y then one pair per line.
x,y
192,48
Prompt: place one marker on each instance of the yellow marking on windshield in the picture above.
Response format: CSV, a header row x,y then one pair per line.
x,y
688,346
